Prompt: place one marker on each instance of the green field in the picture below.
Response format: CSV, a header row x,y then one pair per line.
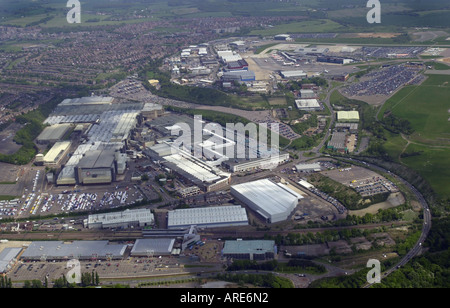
x,y
427,150
426,107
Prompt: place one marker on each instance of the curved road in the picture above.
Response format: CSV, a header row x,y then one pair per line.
x,y
426,221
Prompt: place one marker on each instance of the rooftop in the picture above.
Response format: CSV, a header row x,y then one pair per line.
x,y
248,247
141,215
207,216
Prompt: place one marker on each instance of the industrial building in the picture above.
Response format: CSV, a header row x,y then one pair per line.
x,y
245,165
334,60
8,257
308,94
250,250
56,154
338,142
348,116
239,76
274,202
311,51
308,104
153,247
80,250
96,167
196,171
98,159
237,65
293,74
227,56
125,219
54,133
308,167
209,217
350,127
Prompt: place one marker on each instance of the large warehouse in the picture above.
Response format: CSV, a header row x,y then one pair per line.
x,y
209,217
125,219
274,202
81,250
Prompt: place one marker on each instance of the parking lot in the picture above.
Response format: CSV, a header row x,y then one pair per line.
x,y
384,81
364,181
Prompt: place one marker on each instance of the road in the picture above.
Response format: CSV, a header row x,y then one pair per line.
x,y
417,249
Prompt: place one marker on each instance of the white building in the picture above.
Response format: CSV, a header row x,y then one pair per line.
x,y
126,219
308,104
308,167
209,217
274,202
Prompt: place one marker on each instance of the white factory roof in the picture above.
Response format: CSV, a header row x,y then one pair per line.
x,y
315,166
306,184
290,74
307,103
143,216
229,56
272,201
208,217
193,167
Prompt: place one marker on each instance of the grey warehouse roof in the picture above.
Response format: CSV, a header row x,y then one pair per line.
x,y
141,215
97,159
76,249
250,247
208,217
157,246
